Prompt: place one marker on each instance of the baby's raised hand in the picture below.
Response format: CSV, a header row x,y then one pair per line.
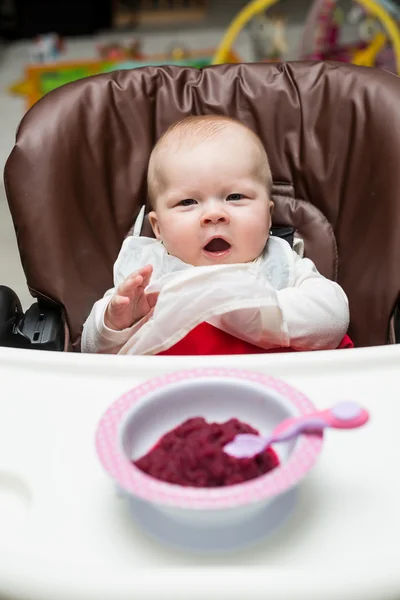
x,y
130,302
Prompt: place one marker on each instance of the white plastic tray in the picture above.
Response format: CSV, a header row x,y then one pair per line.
x,y
64,534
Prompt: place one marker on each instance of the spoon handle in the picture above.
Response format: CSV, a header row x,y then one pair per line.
x,y
345,415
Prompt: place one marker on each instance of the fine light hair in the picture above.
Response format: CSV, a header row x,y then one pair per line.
x,y
195,130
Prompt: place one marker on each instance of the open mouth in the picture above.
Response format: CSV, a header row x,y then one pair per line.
x,y
217,246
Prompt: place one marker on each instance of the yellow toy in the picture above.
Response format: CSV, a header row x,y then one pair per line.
x,y
367,57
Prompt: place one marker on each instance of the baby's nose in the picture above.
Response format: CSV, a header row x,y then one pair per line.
x,y
214,215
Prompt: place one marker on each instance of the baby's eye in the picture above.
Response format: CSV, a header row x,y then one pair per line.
x,y
235,197
187,202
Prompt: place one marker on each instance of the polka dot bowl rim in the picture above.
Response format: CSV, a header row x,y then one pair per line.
x,y
136,482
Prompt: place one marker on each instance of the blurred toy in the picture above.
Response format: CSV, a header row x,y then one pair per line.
x,y
41,79
120,51
367,57
244,16
268,35
280,45
377,34
46,48
178,53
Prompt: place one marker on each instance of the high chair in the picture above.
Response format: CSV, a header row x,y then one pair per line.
x,y
76,180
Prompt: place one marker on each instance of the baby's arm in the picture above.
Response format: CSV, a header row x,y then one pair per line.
x,y
119,314
315,310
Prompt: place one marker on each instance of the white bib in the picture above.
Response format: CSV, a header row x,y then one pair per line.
x,y
229,297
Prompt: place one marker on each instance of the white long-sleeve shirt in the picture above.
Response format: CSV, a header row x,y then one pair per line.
x,y
279,300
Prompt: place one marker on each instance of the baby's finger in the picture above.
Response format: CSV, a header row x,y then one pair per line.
x,y
146,273
130,285
146,270
119,303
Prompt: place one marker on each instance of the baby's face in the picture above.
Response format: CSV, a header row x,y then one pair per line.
x,y
213,205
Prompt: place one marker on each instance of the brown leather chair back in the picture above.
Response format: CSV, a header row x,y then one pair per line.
x,y
76,177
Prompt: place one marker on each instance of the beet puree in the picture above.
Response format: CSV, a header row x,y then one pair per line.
x,y
192,455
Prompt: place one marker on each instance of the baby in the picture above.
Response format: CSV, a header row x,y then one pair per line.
x,y
213,281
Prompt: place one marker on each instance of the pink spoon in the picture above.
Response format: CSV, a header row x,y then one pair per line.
x,y
345,415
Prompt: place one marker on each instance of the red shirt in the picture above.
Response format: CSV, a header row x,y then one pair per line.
x,y
205,339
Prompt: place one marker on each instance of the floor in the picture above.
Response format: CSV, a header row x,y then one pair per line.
x,y
13,57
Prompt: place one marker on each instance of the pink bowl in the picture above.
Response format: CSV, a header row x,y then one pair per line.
x,y
135,422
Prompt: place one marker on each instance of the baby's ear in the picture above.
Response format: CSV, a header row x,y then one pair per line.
x,y
154,224
271,207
